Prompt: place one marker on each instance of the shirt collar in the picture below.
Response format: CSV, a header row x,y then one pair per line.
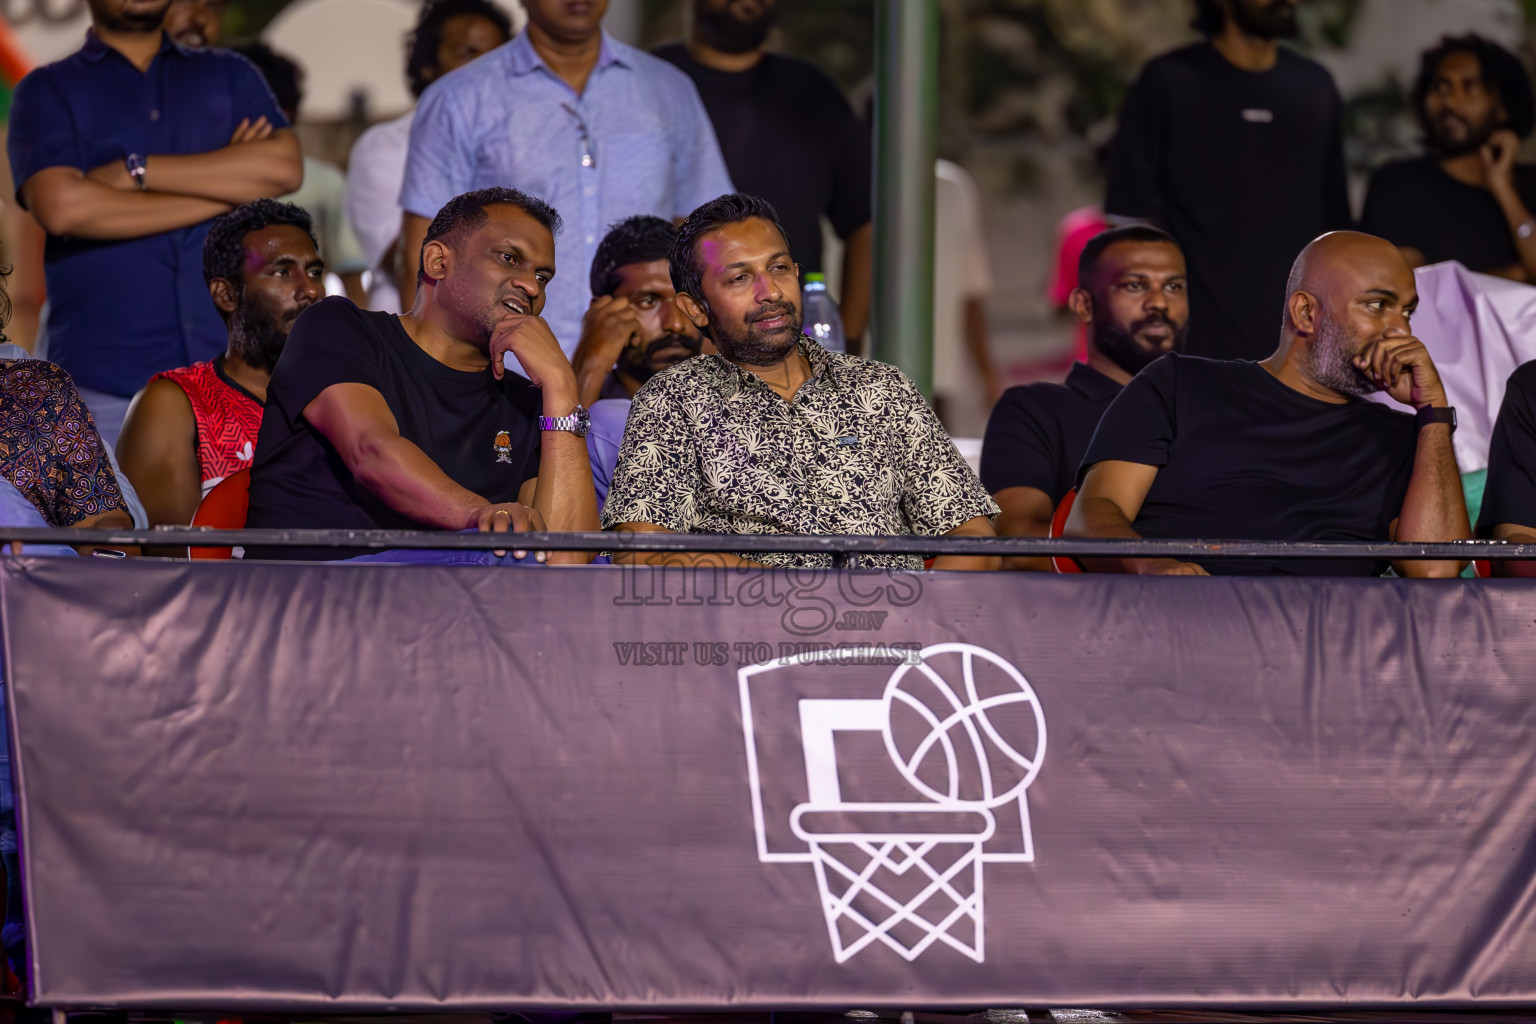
x,y
95,50
1087,381
523,59
727,378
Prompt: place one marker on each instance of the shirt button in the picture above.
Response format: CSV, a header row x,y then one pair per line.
x,y
591,239
154,115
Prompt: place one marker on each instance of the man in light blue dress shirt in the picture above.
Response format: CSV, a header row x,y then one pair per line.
x,y
599,130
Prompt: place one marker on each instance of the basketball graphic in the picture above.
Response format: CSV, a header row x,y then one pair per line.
x,y
956,723
898,862
503,446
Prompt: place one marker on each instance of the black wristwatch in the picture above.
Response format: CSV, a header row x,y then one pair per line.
x,y
1429,414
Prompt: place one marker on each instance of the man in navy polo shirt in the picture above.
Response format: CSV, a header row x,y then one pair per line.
x,y
124,151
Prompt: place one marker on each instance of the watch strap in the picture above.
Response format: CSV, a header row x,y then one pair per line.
x,y
1431,414
136,170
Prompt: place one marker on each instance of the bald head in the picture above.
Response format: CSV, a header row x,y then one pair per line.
x,y
1347,291
1343,265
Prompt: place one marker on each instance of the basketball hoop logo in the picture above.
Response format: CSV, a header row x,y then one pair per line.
x,y
965,734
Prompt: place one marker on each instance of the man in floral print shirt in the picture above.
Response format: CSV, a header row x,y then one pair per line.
x,y
776,434
50,452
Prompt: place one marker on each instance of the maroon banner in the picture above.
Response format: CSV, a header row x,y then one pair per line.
x,y
366,787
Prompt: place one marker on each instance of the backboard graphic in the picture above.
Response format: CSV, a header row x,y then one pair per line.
x,y
897,783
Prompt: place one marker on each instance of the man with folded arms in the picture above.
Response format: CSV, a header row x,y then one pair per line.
x,y
377,421
776,434
1132,296
1287,448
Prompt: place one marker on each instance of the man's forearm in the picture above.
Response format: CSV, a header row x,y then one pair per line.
x,y
74,206
856,284
403,477
564,494
980,526
1434,509
235,174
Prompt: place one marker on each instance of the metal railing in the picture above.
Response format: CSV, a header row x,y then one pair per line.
x,y
380,540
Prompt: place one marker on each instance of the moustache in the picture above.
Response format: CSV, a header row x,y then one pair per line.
x,y
666,341
772,310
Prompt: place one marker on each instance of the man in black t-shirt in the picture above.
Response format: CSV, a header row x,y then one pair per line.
x,y
1287,449
382,421
1509,497
1234,146
1131,296
788,135
1467,199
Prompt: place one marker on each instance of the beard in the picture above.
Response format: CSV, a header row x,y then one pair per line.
x,y
126,21
1275,19
743,343
258,333
1122,348
1332,360
721,30
1475,138
641,364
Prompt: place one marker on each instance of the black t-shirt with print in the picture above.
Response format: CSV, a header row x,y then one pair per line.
x,y
1240,456
1414,203
1244,168
483,433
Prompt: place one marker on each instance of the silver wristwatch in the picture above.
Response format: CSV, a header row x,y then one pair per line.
x,y
136,170
578,422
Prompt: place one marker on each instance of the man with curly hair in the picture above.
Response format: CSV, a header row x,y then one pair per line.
x,y
191,427
1466,199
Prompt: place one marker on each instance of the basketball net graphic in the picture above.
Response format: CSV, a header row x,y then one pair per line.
x,y
903,871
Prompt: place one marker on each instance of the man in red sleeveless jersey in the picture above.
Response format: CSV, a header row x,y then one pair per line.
x,y
189,428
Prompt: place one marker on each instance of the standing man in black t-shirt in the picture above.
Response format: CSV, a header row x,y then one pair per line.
x,y
1466,199
788,135
1132,297
377,421
1234,146
1287,449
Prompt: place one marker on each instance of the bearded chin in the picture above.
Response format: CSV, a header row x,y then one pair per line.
x,y
1276,20
725,32
742,345
1332,362
257,337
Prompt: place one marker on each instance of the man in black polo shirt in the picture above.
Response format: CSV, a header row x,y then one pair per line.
x,y
1466,199
1131,295
382,421
788,135
1235,145
1287,449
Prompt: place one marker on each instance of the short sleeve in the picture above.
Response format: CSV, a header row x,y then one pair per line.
x,y
657,479
439,161
698,169
939,490
1136,153
41,132
330,344
1510,493
250,95
1018,450
850,205
1139,425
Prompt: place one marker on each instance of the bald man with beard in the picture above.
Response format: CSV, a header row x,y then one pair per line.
x,y
1287,448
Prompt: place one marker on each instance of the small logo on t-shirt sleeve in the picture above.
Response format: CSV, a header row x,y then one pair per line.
x,y
503,447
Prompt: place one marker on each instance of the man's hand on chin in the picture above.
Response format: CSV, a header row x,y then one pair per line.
x,y
533,343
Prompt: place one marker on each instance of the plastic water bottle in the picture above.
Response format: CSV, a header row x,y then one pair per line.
x,y
822,321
